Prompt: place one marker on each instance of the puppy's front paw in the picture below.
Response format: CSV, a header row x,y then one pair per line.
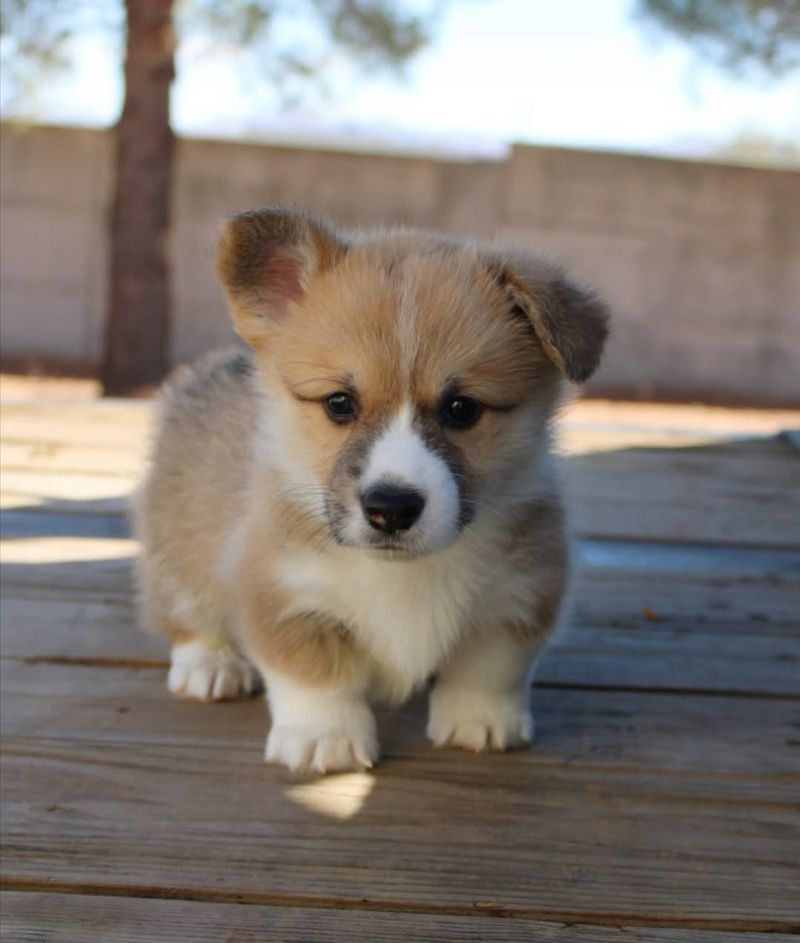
x,y
202,673
348,742
479,720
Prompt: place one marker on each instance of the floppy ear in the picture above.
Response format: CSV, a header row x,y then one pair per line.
x,y
570,321
266,260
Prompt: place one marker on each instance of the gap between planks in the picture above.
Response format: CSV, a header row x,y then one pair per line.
x,y
618,732
628,833
126,919
479,908
136,664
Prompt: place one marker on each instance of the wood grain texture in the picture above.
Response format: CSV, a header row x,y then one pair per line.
x,y
124,423
644,616
88,629
632,806
76,918
60,457
741,657
114,423
70,492
741,492
25,523
732,736
737,492
68,568
577,849
660,802
678,661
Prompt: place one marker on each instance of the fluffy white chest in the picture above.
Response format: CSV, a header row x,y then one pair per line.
x,y
407,614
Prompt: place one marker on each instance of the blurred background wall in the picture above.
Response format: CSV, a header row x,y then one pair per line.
x,y
701,261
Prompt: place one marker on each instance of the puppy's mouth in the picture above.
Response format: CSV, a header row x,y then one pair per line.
x,y
350,527
393,553
391,547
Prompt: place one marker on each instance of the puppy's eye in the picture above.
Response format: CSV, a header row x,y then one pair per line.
x,y
461,412
341,407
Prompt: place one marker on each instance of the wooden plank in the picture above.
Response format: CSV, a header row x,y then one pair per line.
x,y
668,811
85,630
76,918
689,661
731,604
629,810
82,578
602,596
53,566
599,560
27,502
119,424
687,417
76,493
19,523
644,617
685,559
747,659
743,493
43,455
594,514
123,422
680,586
649,734
39,552
579,439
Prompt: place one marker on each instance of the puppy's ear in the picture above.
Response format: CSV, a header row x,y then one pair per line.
x,y
266,260
570,321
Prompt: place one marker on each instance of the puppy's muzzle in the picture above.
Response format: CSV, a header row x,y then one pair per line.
x,y
391,508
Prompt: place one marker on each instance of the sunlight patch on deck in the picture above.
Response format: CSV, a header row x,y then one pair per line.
x,y
338,796
64,549
572,440
12,502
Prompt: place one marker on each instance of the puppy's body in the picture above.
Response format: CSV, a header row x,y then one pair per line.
x,y
369,498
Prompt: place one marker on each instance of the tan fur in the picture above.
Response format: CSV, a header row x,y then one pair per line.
x,y
237,514
177,633
306,646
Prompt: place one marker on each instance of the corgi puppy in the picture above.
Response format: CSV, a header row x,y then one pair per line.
x,y
366,499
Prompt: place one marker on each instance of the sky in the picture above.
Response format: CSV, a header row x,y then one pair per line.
x,y
577,73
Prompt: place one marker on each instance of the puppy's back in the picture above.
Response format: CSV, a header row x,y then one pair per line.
x,y
195,487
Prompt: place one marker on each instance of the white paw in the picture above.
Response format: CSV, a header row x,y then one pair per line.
x,y
202,673
346,740
478,720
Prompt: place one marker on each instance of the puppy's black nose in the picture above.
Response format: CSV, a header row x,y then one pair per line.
x,y
390,508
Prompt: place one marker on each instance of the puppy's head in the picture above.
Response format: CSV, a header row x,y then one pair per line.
x,y
411,376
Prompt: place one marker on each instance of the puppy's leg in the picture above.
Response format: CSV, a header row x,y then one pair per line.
x,y
322,729
481,699
317,682
205,664
209,668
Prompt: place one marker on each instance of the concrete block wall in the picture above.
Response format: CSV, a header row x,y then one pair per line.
x,y
701,262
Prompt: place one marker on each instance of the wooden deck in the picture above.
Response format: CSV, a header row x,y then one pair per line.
x,y
661,801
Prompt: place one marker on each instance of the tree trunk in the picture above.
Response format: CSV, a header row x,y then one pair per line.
x,y
138,320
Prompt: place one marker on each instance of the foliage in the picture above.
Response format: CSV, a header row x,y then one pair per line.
x,y
380,31
736,35
35,34
760,150
294,41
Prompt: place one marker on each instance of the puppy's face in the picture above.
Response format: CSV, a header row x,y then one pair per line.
x,y
407,385
410,378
